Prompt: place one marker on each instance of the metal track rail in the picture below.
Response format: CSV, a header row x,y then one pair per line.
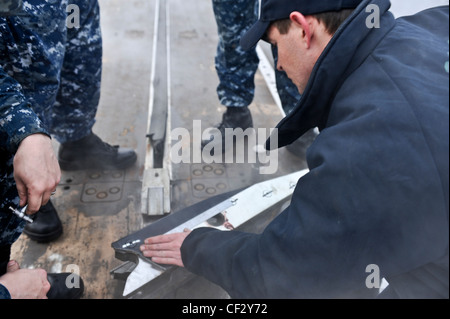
x,y
155,199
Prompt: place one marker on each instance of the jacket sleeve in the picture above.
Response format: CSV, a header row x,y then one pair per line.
x,y
4,293
223,258
17,119
373,196
356,208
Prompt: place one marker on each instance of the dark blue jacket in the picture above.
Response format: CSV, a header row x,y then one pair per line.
x,y
377,192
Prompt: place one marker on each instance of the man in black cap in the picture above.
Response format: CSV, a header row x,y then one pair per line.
x,y
375,202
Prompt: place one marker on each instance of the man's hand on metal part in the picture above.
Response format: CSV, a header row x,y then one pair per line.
x,y
25,283
165,249
36,171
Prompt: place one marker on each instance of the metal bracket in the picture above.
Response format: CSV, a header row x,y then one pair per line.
x,y
155,194
234,208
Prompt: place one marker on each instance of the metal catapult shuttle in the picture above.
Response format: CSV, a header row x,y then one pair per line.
x,y
224,212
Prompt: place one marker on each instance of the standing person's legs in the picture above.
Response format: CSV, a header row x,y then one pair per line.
x,y
78,98
235,67
75,108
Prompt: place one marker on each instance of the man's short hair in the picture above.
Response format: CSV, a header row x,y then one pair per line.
x,y
331,20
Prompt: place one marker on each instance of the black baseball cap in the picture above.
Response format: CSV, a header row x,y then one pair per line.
x,y
273,10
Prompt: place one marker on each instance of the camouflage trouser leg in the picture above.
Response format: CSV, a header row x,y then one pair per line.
x,y
73,114
235,67
62,84
59,67
8,7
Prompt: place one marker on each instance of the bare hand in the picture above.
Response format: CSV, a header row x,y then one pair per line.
x,y
25,283
165,249
36,171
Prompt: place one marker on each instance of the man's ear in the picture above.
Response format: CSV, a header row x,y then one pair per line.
x,y
300,21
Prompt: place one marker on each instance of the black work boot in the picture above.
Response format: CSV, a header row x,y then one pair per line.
x,y
92,153
46,225
65,286
233,118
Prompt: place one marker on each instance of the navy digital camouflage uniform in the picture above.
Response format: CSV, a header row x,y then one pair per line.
x,y
8,7
235,67
49,83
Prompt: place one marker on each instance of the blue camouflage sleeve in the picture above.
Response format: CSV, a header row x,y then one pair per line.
x,y
17,119
4,293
